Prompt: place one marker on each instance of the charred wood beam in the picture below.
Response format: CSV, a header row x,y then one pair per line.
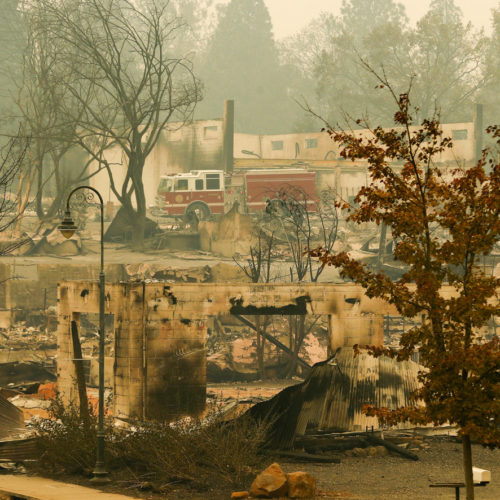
x,y
391,447
298,456
274,341
299,308
328,443
80,375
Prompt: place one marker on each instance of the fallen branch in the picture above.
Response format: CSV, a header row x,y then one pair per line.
x,y
391,447
299,456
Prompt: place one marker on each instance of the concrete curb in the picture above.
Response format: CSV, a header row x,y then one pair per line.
x,y
39,488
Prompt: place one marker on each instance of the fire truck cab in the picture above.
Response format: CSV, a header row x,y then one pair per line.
x,y
199,191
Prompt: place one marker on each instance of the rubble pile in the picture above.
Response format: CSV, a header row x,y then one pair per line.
x,y
21,343
27,367
232,349
52,242
218,273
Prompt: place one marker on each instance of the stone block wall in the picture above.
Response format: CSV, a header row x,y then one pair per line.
x,y
159,368
159,360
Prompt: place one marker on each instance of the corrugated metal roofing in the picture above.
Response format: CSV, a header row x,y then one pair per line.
x,y
11,419
332,396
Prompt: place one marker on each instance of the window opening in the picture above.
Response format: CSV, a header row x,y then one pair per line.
x,y
181,185
213,181
459,135
210,132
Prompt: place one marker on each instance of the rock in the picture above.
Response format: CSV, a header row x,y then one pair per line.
x,y
359,452
301,485
240,494
270,483
377,451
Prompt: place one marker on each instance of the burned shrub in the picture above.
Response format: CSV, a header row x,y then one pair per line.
x,y
156,455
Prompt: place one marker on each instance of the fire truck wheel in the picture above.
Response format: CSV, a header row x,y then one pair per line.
x,y
200,209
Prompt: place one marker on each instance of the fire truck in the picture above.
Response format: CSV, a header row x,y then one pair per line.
x,y
207,192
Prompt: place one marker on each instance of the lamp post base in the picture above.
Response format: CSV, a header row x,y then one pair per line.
x,y
100,477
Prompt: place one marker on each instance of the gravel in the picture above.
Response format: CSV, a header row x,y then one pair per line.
x,y
393,478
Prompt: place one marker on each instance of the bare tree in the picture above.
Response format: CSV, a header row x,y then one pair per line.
x,y
127,83
258,269
303,224
12,162
258,265
44,101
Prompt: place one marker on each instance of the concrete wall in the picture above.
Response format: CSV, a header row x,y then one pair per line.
x,y
33,285
197,146
159,360
159,368
319,145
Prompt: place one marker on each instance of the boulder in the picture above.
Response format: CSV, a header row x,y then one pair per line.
x,y
301,485
359,452
270,483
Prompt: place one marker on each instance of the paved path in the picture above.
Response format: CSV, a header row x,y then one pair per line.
x,y
39,488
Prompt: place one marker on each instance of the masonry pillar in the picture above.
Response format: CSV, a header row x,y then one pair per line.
x,y
176,366
66,374
128,380
228,136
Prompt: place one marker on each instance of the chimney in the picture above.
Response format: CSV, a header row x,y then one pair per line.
x,y
228,136
478,131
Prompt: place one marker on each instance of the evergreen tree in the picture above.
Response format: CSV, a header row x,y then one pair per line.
x,y
12,43
330,51
242,64
489,95
447,63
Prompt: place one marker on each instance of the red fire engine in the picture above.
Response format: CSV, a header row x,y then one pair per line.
x,y
207,192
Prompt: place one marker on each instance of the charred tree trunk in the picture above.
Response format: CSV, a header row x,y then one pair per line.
x,y
133,188
261,324
25,181
298,340
39,192
80,377
467,456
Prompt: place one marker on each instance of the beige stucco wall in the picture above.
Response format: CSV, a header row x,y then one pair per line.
x,y
198,146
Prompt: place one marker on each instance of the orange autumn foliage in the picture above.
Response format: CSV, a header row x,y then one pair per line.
x,y
443,222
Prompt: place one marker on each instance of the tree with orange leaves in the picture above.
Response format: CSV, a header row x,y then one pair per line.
x,y
443,221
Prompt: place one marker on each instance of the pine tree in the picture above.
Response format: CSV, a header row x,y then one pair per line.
x,y
12,42
242,64
447,62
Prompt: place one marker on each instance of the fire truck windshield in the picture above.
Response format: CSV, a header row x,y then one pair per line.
x,y
165,185
181,184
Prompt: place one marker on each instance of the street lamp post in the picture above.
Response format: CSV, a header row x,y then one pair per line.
x,y
68,229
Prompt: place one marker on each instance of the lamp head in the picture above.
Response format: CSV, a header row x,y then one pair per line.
x,y
67,226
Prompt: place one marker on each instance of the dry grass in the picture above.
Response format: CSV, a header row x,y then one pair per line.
x,y
155,455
